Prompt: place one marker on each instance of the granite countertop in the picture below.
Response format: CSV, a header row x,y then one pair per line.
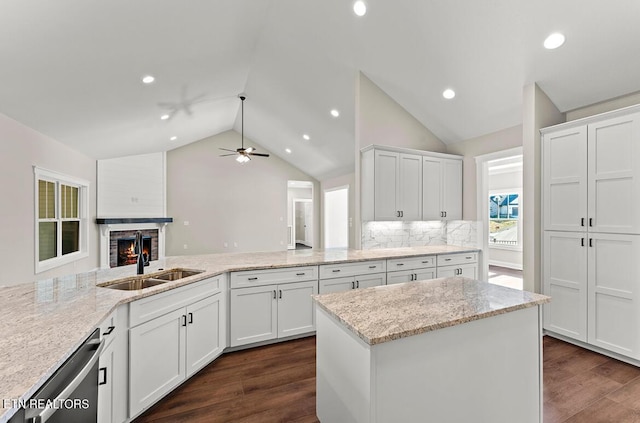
x,y
43,322
389,312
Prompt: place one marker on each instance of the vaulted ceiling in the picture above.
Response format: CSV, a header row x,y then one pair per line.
x,y
72,69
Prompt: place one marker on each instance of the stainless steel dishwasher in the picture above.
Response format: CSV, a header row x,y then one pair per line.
x,y
71,394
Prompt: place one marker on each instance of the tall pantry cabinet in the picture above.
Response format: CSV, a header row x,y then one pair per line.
x,y
591,221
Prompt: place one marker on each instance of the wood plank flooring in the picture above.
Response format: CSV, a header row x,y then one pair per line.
x,y
276,383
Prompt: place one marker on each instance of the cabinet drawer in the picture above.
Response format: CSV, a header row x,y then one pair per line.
x,y
352,269
249,278
151,307
109,329
458,258
411,263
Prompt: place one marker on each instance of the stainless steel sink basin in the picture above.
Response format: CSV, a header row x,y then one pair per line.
x,y
152,279
175,274
134,284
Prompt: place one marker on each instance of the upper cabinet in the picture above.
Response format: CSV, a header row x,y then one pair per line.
x,y
410,185
591,176
442,193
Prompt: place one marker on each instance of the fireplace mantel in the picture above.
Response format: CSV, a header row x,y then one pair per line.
x,y
132,220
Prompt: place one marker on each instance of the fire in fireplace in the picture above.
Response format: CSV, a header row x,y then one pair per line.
x,y
126,250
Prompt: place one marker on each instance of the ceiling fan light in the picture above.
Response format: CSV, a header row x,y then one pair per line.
x,y
242,159
249,150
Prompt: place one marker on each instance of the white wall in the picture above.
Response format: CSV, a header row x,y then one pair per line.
x,y
485,144
538,111
604,106
224,201
132,186
344,180
20,149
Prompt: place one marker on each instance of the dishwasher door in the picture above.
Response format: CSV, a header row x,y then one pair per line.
x,y
71,394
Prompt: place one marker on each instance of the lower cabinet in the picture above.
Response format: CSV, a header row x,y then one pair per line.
x,y
351,282
112,365
106,366
412,275
594,282
166,350
466,270
266,312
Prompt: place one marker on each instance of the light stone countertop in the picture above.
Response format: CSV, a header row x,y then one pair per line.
x,y
389,312
42,323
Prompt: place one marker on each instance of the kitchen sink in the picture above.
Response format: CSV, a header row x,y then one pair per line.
x,y
175,274
152,279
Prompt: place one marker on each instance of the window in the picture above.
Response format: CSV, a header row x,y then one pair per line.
x,y
61,219
504,219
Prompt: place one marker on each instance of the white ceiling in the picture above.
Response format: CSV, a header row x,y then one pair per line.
x,y
71,69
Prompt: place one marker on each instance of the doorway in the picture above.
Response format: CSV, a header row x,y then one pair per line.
x,y
300,215
499,202
336,217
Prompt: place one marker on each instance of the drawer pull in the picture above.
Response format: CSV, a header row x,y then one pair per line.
x,y
447,259
399,264
274,294
335,270
300,274
253,279
468,258
426,262
104,376
190,318
372,267
109,330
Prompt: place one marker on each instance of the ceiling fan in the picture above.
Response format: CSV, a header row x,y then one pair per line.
x,y
243,154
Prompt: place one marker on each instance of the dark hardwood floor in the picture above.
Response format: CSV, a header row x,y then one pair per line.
x,y
276,383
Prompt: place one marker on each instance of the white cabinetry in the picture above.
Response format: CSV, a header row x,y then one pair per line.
x,y
591,212
112,373
165,349
458,264
346,276
411,269
410,185
442,189
271,304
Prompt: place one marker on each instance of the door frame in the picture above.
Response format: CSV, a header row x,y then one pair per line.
x,y
482,203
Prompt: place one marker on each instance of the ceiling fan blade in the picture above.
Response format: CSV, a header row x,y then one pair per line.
x,y
258,154
232,154
226,149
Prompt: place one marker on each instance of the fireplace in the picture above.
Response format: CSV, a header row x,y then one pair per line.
x,y
121,247
126,251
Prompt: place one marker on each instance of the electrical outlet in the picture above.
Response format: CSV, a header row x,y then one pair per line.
x,y
186,223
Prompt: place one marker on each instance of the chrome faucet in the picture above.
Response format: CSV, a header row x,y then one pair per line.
x,y
137,249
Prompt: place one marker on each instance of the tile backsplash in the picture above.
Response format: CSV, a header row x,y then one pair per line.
x,y
416,234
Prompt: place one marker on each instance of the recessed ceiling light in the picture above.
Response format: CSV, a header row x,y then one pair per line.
x,y
173,138
335,113
164,117
306,137
448,93
288,150
148,79
554,40
359,8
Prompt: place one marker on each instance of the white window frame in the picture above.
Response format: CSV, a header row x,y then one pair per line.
x,y
518,246
83,213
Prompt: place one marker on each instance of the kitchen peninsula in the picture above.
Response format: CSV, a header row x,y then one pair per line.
x,y
448,350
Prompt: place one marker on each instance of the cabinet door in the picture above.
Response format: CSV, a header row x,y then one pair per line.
x,y
431,188
468,270
426,274
156,359
205,332
614,175
254,314
410,187
105,384
565,180
367,281
296,313
614,303
410,275
451,190
337,284
387,185
565,281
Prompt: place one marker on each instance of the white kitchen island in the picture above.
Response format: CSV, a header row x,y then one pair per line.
x,y
447,350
